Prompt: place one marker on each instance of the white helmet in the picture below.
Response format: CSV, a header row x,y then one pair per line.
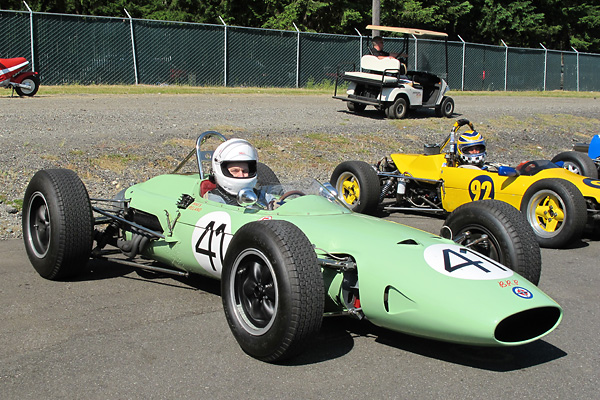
x,y
234,150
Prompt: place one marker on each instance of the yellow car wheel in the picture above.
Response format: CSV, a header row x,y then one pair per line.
x,y
556,210
358,186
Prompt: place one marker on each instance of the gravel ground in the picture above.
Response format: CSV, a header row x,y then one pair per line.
x,y
114,141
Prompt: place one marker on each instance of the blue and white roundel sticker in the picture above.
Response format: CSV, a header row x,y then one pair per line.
x,y
210,240
463,263
522,292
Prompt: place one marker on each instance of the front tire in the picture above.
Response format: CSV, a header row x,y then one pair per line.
x,y
576,162
556,210
32,81
57,223
511,240
358,185
272,290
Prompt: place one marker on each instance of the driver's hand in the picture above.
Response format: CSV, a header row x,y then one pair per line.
x,y
275,204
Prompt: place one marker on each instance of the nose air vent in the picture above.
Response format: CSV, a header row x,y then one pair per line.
x,y
408,241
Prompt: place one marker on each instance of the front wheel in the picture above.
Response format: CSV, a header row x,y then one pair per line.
x,y
556,210
57,223
499,231
34,84
446,108
272,290
358,186
579,163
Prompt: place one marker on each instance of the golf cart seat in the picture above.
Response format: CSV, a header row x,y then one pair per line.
x,y
386,71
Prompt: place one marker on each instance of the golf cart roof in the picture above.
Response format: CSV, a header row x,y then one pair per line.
x,y
408,31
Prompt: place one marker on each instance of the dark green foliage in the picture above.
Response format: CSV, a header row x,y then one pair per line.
x,y
557,24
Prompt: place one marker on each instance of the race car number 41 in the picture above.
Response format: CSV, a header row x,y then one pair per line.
x,y
463,263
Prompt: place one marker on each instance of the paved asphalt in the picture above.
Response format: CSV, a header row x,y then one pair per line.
x,y
118,334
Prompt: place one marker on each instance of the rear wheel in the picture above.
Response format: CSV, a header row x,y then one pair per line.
x,y
356,107
446,108
57,223
272,290
398,109
358,186
579,163
34,83
556,210
499,231
265,175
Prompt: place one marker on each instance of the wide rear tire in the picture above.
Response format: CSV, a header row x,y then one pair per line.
x,y
57,223
576,162
358,186
272,290
556,210
510,241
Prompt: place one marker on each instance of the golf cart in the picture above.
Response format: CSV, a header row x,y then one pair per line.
x,y
389,86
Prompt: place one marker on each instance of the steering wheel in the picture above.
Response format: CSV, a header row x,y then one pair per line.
x,y
291,193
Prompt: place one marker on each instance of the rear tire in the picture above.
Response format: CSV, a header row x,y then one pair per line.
x,y
272,290
511,240
446,108
358,186
556,210
398,109
356,107
266,176
32,81
57,223
576,162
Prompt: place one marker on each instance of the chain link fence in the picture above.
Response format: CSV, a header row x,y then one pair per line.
x,y
71,49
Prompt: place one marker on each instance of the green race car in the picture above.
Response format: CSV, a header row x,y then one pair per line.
x,y
283,269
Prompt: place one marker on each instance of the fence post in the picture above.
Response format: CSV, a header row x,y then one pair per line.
x,y
545,64
462,85
360,48
224,52
135,71
416,52
297,57
31,35
505,64
577,68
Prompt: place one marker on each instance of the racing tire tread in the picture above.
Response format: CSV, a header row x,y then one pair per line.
x,y
576,211
584,162
265,175
301,289
71,221
519,248
368,182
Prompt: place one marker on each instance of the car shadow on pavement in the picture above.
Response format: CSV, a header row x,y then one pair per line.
x,y
337,338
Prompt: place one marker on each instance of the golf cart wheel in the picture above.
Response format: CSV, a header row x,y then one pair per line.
x,y
510,239
272,290
446,108
33,81
398,109
57,223
358,186
265,175
356,107
579,163
556,210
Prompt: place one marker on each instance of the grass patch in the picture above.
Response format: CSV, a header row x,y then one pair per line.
x,y
324,87
17,203
114,162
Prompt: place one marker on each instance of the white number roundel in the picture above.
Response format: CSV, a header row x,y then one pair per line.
x,y
461,262
210,240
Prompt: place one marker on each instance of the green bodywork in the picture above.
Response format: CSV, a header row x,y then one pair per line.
x,y
398,285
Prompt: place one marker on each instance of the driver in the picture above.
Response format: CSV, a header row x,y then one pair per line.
x,y
234,167
471,149
378,51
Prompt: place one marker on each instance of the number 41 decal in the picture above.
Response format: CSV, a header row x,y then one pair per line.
x,y
210,239
460,262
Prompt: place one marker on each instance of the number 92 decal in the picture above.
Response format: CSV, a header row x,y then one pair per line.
x,y
481,188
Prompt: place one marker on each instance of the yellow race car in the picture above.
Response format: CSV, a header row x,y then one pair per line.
x,y
556,202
